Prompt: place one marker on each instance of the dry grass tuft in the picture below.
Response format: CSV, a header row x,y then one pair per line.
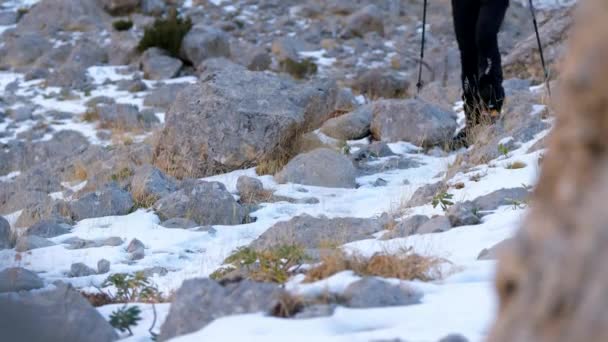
x,y
405,265
289,305
516,165
80,171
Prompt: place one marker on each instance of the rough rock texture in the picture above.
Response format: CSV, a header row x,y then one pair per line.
x,y
149,184
48,229
351,126
436,224
463,214
5,233
29,242
50,16
424,194
312,232
60,314
120,7
406,227
136,249
156,65
81,270
204,42
372,292
320,167
110,201
206,203
200,301
249,188
412,120
16,279
551,282
235,117
367,19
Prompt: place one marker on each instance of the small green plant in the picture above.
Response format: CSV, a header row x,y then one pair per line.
x,y
166,34
124,318
504,150
132,288
444,200
299,69
122,25
517,204
344,147
275,264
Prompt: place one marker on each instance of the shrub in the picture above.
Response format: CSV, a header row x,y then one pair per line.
x,y
132,288
122,25
444,200
124,318
299,69
166,34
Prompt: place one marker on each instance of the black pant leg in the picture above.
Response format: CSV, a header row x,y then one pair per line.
x,y
465,14
491,16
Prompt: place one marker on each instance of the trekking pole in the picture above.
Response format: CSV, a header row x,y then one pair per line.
x,y
540,48
419,84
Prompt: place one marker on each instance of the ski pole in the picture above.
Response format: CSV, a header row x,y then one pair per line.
x,y
419,84
540,48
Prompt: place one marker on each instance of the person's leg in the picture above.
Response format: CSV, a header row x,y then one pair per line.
x,y
465,14
491,16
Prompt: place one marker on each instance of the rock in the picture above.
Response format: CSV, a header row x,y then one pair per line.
x,y
110,201
206,203
253,57
463,214
406,227
153,7
371,292
157,65
454,338
367,19
501,197
112,241
320,167
120,7
412,120
149,184
290,48
424,194
48,229
316,310
8,18
137,249
249,187
163,96
493,252
179,222
73,73
103,266
121,116
61,314
50,16
203,42
436,224
5,234
24,49
15,279
380,83
156,270
48,210
81,270
29,242
312,232
123,48
220,124
351,126
200,301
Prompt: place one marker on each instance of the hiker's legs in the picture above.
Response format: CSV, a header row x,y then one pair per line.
x,y
465,13
491,16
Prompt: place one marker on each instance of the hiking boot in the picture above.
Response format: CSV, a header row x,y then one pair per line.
x,y
460,140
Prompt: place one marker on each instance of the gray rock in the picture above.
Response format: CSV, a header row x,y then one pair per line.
x,y
110,201
73,73
8,18
367,19
203,42
120,7
406,227
120,115
17,279
123,48
316,310
249,187
351,126
163,96
81,270
312,232
103,266
60,314
150,184
50,16
253,57
412,120
424,194
24,49
206,203
436,224
48,229
153,7
501,197
493,252
157,65
178,222
22,113
220,124
5,234
381,83
112,241
454,338
463,214
137,249
371,292
29,242
320,167
200,301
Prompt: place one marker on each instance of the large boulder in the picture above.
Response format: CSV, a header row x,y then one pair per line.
x,y
234,118
60,314
351,126
412,120
50,16
320,167
157,65
203,42
21,50
200,301
5,234
73,73
149,184
312,232
48,229
206,203
17,279
109,201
